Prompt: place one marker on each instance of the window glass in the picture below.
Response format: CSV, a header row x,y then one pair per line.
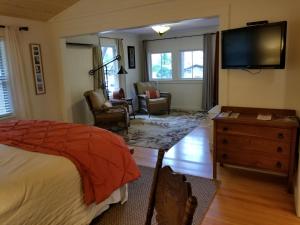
x,y
191,64
161,66
5,95
108,54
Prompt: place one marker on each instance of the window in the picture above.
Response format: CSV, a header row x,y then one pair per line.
x,y
5,98
161,66
191,64
108,54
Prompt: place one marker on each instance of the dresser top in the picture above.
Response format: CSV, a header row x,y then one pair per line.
x,y
280,117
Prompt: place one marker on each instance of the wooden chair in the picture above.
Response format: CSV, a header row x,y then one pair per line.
x,y
170,196
109,117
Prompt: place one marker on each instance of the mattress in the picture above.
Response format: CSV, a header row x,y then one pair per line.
x,y
37,188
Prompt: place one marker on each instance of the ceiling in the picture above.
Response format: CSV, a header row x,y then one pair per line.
x,y
185,25
34,9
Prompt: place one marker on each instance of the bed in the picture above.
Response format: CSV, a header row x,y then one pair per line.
x,y
39,185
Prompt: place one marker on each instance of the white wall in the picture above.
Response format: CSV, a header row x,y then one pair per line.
x,y
78,61
84,39
186,94
181,90
46,106
272,88
134,75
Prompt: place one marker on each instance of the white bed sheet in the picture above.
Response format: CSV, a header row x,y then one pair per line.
x,y
43,189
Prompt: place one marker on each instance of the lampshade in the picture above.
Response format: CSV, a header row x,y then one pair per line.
x,y
122,70
161,29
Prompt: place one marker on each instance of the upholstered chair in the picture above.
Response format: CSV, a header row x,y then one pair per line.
x,y
152,105
106,115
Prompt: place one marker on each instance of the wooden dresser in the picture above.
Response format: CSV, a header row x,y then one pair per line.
x,y
258,144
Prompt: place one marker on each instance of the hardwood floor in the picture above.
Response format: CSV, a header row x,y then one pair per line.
x,y
243,198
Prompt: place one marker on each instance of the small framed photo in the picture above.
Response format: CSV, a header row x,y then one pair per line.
x,y
38,69
37,59
37,66
131,57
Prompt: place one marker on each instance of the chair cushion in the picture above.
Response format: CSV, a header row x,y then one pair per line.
x,y
142,87
152,94
158,100
97,100
107,104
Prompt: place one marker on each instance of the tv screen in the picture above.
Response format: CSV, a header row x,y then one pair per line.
x,y
254,47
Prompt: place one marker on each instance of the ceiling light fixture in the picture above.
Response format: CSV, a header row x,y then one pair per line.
x,y
161,29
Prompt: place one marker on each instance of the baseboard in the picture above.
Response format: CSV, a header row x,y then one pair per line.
x,y
186,108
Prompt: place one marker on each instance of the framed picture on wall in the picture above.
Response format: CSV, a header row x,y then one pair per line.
x,y
37,67
131,57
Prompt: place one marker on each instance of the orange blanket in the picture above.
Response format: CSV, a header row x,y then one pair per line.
x,y
101,157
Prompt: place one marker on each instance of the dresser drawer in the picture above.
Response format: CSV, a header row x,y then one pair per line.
x,y
248,159
237,142
274,133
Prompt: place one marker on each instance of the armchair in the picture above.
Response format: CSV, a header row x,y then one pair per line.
x,y
107,115
152,105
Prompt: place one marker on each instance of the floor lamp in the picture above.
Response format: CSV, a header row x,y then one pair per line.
x,y
121,71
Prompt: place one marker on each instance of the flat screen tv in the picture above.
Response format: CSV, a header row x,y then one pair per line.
x,y
255,47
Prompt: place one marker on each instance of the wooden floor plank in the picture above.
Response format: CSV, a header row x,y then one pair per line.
x,y
243,198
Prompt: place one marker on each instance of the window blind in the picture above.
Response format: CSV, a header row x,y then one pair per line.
x,y
6,108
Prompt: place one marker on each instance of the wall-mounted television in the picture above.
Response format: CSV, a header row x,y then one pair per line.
x,y
255,47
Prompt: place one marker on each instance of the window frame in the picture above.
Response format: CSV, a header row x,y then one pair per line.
x,y
180,77
8,84
150,66
115,51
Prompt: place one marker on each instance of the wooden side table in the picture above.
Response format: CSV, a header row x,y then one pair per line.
x,y
121,101
130,103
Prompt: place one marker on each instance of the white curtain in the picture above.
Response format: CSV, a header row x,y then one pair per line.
x,y
19,88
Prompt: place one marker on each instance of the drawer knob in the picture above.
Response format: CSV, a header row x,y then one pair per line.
x,y
224,156
279,149
225,141
278,164
225,128
280,135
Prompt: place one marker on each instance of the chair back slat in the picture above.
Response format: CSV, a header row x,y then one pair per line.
x,y
150,211
171,197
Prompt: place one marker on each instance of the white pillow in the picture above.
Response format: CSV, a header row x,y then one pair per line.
x,y
97,100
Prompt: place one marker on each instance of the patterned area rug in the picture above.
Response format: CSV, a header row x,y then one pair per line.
x,y
134,211
163,131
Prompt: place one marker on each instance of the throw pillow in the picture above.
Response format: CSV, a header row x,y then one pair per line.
x,y
152,94
107,104
97,100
